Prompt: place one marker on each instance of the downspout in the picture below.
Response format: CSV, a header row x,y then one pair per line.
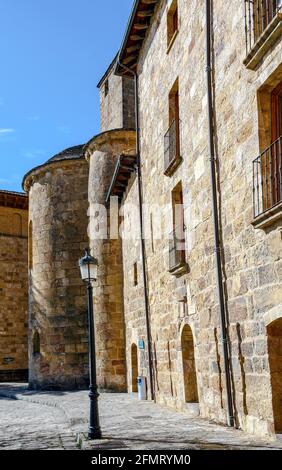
x,y
217,238
142,234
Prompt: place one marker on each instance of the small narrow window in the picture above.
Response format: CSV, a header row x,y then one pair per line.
x,y
135,274
106,87
172,22
36,343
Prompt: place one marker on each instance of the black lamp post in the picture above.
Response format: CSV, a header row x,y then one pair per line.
x,y
88,268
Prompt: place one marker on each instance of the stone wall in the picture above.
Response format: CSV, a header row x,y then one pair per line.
x,y
117,109
111,104
13,294
128,94
252,257
58,333
103,154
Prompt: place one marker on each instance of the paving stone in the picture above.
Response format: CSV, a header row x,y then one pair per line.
x,y
126,423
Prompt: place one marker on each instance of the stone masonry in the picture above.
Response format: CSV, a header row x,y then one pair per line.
x,y
165,46
252,255
58,333
13,286
103,152
117,108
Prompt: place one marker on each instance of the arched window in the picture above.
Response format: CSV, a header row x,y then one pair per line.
x,y
36,342
17,225
30,246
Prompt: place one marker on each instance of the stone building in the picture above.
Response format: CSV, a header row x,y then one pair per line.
x,y
58,338
167,286
194,304
13,286
116,141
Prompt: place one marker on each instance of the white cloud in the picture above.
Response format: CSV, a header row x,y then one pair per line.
x,y
6,131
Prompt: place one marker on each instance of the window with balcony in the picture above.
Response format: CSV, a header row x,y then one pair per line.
x,y
172,24
177,252
172,157
263,27
267,167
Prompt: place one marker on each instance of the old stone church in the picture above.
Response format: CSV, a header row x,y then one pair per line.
x,y
180,200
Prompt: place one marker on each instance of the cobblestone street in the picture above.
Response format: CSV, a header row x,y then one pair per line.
x,y
31,426
53,420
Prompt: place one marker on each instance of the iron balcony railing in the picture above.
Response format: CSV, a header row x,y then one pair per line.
x,y
267,178
258,15
172,148
177,258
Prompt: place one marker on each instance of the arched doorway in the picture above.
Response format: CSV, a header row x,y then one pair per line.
x,y
134,368
189,366
274,331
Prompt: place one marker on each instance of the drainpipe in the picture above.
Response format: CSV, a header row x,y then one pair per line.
x,y
217,238
142,234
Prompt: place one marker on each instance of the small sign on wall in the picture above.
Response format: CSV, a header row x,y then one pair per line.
x,y
8,360
141,344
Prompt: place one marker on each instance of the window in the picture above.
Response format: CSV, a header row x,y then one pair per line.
x,y
172,136
135,274
36,343
267,167
177,252
262,28
106,87
172,23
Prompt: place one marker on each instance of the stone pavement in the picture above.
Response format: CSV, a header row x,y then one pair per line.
x,y
126,424
28,426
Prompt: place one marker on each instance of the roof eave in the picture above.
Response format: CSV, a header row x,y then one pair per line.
x,y
130,25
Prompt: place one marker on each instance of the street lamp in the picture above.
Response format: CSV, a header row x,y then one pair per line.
x,y
88,269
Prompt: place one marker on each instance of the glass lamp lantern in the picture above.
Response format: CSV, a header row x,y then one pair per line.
x,y
88,267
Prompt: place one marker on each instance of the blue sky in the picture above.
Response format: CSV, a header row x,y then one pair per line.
x,y
52,55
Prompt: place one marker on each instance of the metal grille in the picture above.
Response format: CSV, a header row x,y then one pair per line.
x,y
172,145
258,15
177,248
267,178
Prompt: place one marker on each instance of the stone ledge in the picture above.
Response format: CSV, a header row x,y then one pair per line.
x,y
264,43
180,269
270,217
8,235
173,166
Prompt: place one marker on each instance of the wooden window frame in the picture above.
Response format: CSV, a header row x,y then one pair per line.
x,y
172,24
